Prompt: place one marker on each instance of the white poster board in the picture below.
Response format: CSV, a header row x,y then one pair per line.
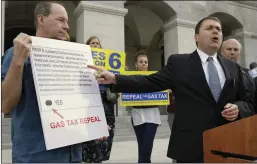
x,y
68,95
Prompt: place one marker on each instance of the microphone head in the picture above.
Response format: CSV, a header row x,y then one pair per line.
x,y
253,65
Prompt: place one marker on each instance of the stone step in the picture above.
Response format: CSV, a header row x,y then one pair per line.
x,y
6,122
118,132
128,118
130,131
124,122
123,130
130,127
7,145
6,138
6,133
118,138
6,129
124,138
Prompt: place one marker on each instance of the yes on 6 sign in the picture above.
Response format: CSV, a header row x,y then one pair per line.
x,y
144,99
111,60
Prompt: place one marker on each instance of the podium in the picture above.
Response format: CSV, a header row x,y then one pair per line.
x,y
235,142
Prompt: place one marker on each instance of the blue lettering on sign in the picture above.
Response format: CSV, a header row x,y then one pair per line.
x,y
98,55
101,56
114,61
144,96
115,72
100,63
94,55
102,87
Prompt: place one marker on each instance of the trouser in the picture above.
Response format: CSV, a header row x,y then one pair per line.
x,y
170,119
170,122
145,134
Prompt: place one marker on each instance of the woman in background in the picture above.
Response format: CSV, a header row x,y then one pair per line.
x,y
99,150
145,119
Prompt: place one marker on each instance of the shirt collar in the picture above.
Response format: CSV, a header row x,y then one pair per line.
x,y
204,56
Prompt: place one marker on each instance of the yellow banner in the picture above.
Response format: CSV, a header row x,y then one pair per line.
x,y
111,60
144,99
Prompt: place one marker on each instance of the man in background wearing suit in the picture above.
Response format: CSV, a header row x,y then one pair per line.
x,y
208,90
231,49
253,66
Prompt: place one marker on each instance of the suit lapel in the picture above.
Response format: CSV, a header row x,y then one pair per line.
x,y
225,68
227,75
199,75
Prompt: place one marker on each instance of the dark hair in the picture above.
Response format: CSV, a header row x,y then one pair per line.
x,y
199,24
141,53
91,38
43,8
253,65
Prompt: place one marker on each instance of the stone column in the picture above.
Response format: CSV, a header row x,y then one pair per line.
x,y
250,42
3,6
104,21
178,37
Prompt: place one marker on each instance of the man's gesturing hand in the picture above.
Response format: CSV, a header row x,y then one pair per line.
x,y
230,112
22,47
102,75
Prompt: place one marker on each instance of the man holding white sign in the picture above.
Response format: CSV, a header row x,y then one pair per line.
x,y
56,72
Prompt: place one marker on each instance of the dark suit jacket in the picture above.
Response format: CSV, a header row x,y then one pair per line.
x,y
172,107
250,87
196,108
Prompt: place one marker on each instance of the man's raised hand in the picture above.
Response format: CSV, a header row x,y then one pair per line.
x,y
22,47
102,75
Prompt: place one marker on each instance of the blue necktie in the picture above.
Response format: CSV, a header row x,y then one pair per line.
x,y
214,81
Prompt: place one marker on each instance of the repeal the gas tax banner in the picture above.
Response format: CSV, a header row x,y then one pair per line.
x,y
144,99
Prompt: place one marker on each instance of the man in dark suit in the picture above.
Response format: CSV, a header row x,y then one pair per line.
x,y
171,113
171,109
231,49
253,66
208,90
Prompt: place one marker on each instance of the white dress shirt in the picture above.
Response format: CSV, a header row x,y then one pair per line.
x,y
146,115
217,64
